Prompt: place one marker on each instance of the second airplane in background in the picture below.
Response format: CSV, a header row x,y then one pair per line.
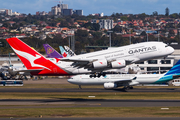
x,y
95,62
127,80
66,53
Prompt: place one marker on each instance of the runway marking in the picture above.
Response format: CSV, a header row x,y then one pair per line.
x,y
91,96
164,108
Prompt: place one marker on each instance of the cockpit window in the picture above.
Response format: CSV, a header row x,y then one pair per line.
x,y
166,46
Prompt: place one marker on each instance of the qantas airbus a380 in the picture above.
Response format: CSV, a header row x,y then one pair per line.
x,y
95,62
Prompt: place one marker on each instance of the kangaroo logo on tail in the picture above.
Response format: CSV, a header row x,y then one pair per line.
x,y
30,58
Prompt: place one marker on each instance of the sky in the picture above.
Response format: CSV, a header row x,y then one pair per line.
x,y
108,7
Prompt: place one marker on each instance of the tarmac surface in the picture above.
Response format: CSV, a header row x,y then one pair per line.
x,y
56,103
45,90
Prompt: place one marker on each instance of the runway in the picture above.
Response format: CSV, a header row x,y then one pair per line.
x,y
42,90
56,103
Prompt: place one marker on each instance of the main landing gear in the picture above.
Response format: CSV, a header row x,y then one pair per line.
x,y
80,87
98,75
127,87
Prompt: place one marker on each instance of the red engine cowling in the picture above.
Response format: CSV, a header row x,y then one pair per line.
x,y
118,64
100,64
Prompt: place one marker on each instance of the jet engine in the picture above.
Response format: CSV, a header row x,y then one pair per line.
x,y
110,85
100,64
118,64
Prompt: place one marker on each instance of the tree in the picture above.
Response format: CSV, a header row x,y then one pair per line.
x,y
92,26
143,33
7,25
64,24
124,18
171,32
174,15
117,28
82,33
155,13
167,11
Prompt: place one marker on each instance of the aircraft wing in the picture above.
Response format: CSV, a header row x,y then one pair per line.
x,y
125,80
77,60
87,63
133,60
71,59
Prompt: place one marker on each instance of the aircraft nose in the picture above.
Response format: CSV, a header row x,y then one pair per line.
x,y
70,80
170,49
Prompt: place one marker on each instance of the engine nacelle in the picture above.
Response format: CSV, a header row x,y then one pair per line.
x,y
118,64
100,64
110,85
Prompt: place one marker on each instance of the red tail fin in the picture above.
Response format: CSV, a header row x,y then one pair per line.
x,y
32,59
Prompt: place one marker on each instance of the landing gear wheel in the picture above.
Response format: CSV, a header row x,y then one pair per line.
x,y
103,74
99,75
130,87
125,88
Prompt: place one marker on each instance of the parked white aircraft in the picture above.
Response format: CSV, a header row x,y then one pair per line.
x,y
90,62
127,80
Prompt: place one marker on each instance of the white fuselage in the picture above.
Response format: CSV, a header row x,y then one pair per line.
x,y
130,54
112,78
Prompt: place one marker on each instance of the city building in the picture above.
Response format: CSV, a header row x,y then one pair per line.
x,y
63,6
41,13
98,14
6,12
67,12
57,10
78,12
16,13
104,23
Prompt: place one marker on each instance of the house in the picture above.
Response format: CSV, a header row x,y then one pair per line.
x,y
3,29
65,29
11,23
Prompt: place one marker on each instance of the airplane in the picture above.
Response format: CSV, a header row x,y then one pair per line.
x,y
94,63
63,52
51,52
112,81
11,70
70,52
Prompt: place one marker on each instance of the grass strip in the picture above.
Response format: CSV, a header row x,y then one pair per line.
x,y
91,112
